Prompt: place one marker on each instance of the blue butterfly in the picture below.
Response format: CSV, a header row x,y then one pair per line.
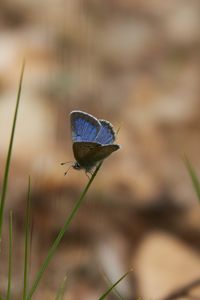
x,y
93,140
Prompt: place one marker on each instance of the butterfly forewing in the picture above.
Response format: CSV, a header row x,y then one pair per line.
x,y
85,127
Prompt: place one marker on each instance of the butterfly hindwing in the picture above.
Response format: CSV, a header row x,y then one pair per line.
x,y
88,154
106,134
82,152
85,127
104,151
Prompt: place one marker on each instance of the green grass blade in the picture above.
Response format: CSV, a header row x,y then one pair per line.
x,y
7,166
113,286
114,289
60,236
8,295
61,290
27,241
193,176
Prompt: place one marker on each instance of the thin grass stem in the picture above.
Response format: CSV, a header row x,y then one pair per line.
x,y
7,166
114,289
193,176
61,290
60,236
8,295
113,286
27,241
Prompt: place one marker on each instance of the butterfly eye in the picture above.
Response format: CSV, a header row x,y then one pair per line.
x,y
76,166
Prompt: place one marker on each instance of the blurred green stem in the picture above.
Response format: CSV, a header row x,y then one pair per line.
x,y
61,290
193,176
10,258
27,240
7,167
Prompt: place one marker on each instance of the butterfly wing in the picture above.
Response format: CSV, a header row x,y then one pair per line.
x,y
103,152
92,139
84,127
88,154
82,153
106,134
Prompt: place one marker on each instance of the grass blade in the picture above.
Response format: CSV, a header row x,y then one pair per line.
x,y
8,295
193,176
61,290
27,240
113,286
7,166
60,236
114,289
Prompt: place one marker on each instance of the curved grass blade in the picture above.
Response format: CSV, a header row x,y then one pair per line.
x,y
113,286
193,176
61,290
60,236
8,295
7,166
27,240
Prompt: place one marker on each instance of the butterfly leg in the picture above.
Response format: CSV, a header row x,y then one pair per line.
x,y
87,172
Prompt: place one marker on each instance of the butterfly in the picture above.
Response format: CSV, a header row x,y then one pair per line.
x,y
93,140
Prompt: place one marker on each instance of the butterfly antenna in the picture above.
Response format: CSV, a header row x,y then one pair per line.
x,y
67,162
118,129
67,170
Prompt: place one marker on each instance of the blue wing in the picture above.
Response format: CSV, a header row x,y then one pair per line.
x,y
85,127
106,134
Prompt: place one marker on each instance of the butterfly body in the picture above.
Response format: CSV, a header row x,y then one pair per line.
x,y
93,140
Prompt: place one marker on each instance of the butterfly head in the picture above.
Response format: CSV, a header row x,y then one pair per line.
x,y
76,166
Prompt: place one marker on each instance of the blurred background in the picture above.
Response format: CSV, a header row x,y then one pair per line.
x,y
136,64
